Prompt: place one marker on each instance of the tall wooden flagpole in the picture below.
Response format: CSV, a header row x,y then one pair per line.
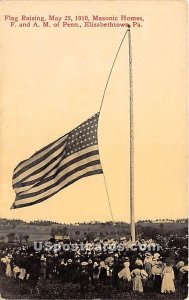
x,y
131,131
132,219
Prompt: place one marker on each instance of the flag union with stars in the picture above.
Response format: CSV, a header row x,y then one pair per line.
x,y
83,136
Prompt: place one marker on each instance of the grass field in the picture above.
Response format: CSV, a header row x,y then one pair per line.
x,y
53,289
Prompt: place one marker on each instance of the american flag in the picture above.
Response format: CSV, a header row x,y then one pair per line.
x,y
56,166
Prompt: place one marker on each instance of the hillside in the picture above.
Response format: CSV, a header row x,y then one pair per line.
x,y
42,230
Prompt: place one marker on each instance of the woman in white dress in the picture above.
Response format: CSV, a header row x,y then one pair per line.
x,y
168,279
8,267
125,272
138,275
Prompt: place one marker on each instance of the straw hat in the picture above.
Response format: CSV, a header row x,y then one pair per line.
x,y
84,263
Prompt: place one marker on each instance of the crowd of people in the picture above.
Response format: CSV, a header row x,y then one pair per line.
x,y
128,267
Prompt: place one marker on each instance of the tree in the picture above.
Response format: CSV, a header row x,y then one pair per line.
x,y
138,227
91,235
26,237
149,232
64,231
20,237
11,237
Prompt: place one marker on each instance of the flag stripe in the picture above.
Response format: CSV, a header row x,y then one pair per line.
x,y
37,168
55,183
40,152
90,156
38,174
26,203
76,176
58,173
34,160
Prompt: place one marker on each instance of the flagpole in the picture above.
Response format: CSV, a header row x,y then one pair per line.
x,y
132,218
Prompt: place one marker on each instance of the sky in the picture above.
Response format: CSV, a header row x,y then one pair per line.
x,y
52,79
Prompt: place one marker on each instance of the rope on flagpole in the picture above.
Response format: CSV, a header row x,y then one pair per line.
x,y
109,202
112,69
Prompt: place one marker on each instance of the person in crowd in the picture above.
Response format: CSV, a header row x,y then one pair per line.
x,y
184,271
102,271
110,271
43,269
138,275
16,271
168,279
33,273
148,263
125,273
3,264
76,270
177,268
138,261
63,269
156,256
8,266
84,278
22,274
95,271
90,269
157,272
50,265
117,266
70,270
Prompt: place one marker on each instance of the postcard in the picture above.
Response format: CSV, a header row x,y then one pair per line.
x,y
93,138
